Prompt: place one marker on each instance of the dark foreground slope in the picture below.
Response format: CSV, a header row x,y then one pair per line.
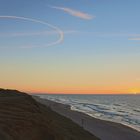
x,y
22,118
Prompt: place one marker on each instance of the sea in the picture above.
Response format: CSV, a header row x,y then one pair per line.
x,y
124,109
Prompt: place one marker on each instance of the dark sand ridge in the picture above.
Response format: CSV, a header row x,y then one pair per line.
x,y
23,118
105,130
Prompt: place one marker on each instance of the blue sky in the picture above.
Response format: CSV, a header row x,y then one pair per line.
x,y
101,37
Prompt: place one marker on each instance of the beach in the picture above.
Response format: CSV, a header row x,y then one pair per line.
x,y
26,117
105,130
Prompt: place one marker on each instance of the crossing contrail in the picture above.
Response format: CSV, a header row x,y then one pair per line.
x,y
58,30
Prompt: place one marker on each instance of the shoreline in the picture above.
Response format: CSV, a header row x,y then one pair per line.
x,y
105,130
104,119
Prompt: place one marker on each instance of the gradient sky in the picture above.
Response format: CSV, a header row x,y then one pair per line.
x,y
100,52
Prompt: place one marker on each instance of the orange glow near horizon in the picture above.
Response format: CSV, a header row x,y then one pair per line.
x,y
80,77
70,87
80,90
76,91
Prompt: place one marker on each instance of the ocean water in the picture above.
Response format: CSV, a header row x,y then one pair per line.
x,y
123,109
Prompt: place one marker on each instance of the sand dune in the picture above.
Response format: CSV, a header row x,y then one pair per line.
x,y
22,118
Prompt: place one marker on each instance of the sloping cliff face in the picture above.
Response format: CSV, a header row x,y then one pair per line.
x,y
22,118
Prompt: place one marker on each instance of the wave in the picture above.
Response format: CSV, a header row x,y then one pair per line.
x,y
115,112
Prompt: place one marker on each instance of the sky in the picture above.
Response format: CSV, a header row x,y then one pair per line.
x,y
69,46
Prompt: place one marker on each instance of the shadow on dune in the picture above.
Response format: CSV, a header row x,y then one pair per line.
x,y
22,118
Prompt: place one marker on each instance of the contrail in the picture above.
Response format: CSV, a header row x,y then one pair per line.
x,y
58,30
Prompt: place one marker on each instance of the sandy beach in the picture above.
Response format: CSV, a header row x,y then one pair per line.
x,y
104,130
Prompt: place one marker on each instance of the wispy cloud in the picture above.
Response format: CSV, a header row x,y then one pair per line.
x,y
39,33
75,13
136,39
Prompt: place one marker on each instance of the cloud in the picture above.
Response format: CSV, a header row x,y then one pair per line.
x,y
75,13
39,33
137,39
57,29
